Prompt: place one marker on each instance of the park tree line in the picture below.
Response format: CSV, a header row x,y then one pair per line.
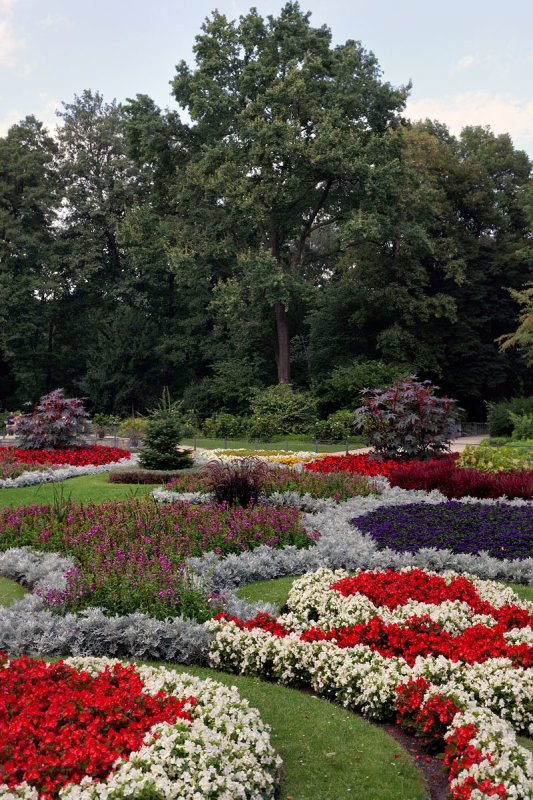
x,y
284,224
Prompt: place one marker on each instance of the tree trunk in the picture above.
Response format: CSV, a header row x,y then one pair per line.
x,y
283,351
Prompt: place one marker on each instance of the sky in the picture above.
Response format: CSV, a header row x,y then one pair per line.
x,y
470,61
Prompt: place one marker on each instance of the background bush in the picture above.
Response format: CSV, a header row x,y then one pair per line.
x,y
339,425
281,410
498,419
341,388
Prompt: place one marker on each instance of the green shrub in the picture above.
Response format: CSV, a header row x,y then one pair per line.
x,y
495,459
341,388
522,425
132,428
339,425
498,419
162,435
280,410
131,475
222,424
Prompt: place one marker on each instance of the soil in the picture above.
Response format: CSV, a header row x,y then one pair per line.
x,y
430,766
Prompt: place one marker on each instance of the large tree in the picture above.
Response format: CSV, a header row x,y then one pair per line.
x,y
284,133
31,284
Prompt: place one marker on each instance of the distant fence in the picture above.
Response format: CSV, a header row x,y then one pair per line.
x,y
474,428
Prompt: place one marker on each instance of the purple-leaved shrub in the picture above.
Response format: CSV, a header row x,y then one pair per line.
x,y
55,422
407,420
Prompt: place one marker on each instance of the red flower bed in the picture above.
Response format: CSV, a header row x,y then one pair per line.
x,y
455,482
366,463
418,635
393,589
76,457
58,725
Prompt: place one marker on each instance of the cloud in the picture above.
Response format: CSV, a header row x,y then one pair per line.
x,y
464,63
54,23
502,113
11,118
9,42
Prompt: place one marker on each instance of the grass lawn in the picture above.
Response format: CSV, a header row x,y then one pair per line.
x,y
86,488
10,591
276,444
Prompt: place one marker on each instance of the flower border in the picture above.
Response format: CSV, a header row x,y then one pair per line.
x,y
492,696
224,753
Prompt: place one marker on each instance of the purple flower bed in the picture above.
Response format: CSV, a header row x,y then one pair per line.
x,y
130,555
501,530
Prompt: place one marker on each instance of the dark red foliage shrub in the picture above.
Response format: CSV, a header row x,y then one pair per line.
x,y
455,482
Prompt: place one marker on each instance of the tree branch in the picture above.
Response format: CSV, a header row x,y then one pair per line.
x,y
297,257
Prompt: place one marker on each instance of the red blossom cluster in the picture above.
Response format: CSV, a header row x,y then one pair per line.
x,y
58,725
460,754
429,722
392,589
76,457
365,463
421,636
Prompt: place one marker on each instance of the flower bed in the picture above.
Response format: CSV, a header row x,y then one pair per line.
x,y
75,457
362,640
97,728
131,554
365,463
287,457
32,467
455,482
337,486
501,530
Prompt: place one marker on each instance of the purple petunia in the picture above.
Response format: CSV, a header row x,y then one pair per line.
x,y
501,530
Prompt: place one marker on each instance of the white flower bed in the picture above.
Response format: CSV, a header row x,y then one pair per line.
x,y
494,692
54,475
224,754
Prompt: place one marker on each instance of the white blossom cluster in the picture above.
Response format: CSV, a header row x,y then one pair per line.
x,y
56,474
223,754
311,598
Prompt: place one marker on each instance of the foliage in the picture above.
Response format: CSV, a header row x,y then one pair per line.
x,y
237,482
133,559
496,459
522,425
161,438
339,425
407,420
138,476
56,422
522,337
342,386
280,409
133,428
455,482
224,425
498,419
338,486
